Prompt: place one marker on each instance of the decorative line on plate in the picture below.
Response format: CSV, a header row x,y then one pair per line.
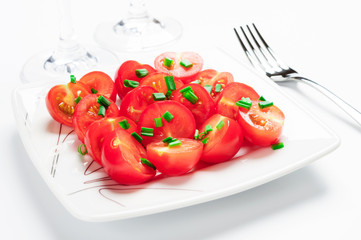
x,y
26,118
93,171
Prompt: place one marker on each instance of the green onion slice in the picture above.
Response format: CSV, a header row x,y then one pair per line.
x,y
167,116
101,111
277,145
208,88
72,79
82,149
159,96
168,94
218,88
103,101
146,162
124,124
196,81
186,63
175,143
168,62
167,139
265,104
196,134
93,90
220,125
190,96
77,100
146,132
137,137
141,72
205,141
186,89
169,80
130,83
261,98
208,128
158,122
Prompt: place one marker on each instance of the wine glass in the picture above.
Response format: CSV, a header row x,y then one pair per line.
x,y
69,57
138,31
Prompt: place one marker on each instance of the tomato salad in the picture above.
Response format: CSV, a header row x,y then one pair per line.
x,y
171,116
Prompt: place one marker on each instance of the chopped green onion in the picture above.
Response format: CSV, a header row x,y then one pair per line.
x,y
208,128
265,104
93,90
196,134
168,94
130,83
137,137
277,146
72,79
101,111
190,96
103,101
146,162
158,122
175,143
82,149
167,139
124,124
167,116
205,141
158,96
169,80
168,62
141,72
146,132
77,100
245,103
186,89
220,125
218,88
208,88
185,63
196,81
261,98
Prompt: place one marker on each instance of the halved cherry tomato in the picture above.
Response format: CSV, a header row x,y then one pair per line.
x,y
212,77
182,125
203,108
262,127
60,101
186,74
128,71
157,81
121,159
231,94
97,130
134,103
222,143
87,111
101,82
177,160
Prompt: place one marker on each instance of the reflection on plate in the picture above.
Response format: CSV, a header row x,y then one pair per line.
x,y
89,194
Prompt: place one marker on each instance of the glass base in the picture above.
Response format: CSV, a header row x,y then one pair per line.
x,y
138,34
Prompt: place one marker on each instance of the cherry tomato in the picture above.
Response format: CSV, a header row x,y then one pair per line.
x,y
97,130
231,94
203,108
182,125
223,142
100,82
87,111
121,159
157,81
60,101
186,74
134,103
177,160
262,127
128,71
212,77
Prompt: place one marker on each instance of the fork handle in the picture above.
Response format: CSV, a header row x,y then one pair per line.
x,y
346,107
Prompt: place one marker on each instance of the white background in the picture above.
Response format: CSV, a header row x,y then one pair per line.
x,y
321,201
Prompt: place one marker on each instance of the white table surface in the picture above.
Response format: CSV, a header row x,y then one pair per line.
x,y
321,201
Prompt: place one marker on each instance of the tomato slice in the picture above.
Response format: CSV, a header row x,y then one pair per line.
x,y
134,103
262,127
203,108
128,71
176,69
60,101
175,161
231,94
157,81
182,125
86,112
101,82
222,143
121,159
97,131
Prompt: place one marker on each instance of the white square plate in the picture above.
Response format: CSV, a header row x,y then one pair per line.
x,y
84,189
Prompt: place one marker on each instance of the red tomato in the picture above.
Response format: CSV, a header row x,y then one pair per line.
x,y
121,159
175,161
134,103
156,81
231,94
203,108
223,143
177,70
86,112
100,82
97,131
127,71
60,101
212,77
182,125
262,127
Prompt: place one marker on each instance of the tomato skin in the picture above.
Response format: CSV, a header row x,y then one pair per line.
x,y
134,103
223,144
182,125
97,131
232,93
86,112
175,161
156,81
261,127
203,108
60,101
121,159
185,74
127,71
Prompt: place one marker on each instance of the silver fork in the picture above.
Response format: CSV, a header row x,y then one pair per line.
x,y
259,53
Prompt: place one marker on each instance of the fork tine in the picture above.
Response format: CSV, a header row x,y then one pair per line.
x,y
257,44
244,47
